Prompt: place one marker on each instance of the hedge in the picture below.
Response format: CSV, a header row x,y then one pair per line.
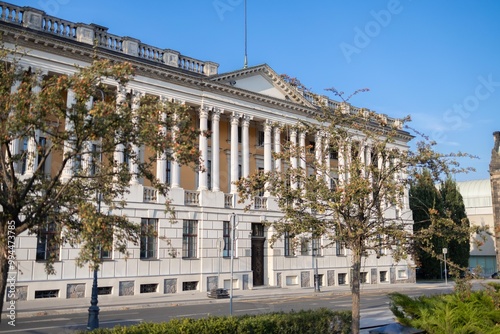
x,y
301,322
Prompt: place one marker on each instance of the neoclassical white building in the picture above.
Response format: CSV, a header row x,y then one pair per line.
x,y
241,109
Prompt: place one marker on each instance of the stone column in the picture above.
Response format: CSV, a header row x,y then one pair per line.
x,y
16,142
267,152
318,155
277,148
134,166
303,165
326,159
86,154
215,149
68,145
32,154
234,151
176,168
203,146
161,159
341,165
495,191
293,157
246,145
118,155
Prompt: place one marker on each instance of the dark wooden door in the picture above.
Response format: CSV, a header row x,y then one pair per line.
x,y
258,261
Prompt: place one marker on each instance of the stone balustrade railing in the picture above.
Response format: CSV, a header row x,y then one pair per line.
x,y
191,197
347,108
92,33
150,194
228,200
260,203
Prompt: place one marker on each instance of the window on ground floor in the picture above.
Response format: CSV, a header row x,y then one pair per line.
x,y
189,239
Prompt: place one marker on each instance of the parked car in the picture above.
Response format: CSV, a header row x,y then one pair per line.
x,y
218,293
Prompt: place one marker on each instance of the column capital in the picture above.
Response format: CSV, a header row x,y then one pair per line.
x,y
216,114
235,118
245,120
204,111
136,97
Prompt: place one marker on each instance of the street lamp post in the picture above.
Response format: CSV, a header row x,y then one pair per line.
x,y
445,250
233,228
93,319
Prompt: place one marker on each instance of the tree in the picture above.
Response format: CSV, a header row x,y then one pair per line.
x,y
454,208
358,201
424,200
432,207
77,125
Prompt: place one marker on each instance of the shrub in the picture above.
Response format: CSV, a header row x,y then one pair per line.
x,y
301,322
454,313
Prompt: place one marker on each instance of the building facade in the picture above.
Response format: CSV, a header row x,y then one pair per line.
x,y
477,200
246,111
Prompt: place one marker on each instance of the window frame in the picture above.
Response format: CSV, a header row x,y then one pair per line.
x,y
45,237
190,239
148,243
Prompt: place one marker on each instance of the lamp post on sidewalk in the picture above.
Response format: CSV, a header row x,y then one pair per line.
x,y
93,320
445,250
233,228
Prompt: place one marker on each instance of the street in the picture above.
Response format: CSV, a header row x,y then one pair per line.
x,y
374,307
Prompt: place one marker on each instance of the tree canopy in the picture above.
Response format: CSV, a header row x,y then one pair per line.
x,y
351,185
71,144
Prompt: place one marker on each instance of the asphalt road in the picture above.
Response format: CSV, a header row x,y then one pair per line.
x,y
374,304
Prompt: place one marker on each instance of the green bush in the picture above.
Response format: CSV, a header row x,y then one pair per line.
x,y
302,322
476,312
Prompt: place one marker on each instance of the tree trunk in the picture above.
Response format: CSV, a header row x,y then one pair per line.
x,y
355,290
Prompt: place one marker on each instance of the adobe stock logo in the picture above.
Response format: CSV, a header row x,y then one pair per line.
x,y
51,7
363,37
222,6
455,117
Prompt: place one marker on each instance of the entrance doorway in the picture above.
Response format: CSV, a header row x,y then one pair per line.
x,y
258,253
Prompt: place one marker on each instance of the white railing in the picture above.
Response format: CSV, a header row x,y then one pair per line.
x,y
191,197
228,200
150,194
55,26
260,203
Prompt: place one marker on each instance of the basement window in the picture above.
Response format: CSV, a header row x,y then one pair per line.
x,y
46,294
149,288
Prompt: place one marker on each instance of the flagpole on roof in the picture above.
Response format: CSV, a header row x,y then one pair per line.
x,y
245,64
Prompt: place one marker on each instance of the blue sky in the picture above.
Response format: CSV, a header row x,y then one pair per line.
x,y
437,61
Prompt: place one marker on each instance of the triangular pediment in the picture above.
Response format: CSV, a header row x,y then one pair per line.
x,y
262,80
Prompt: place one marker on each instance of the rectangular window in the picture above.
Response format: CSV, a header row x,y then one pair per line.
x,y
95,158
149,238
383,276
260,138
209,174
227,239
105,253
316,246
42,149
340,248
334,154
257,230
288,244
47,245
342,279
189,239
304,247
169,171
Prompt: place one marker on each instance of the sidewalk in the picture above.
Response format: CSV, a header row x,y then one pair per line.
x,y
57,306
